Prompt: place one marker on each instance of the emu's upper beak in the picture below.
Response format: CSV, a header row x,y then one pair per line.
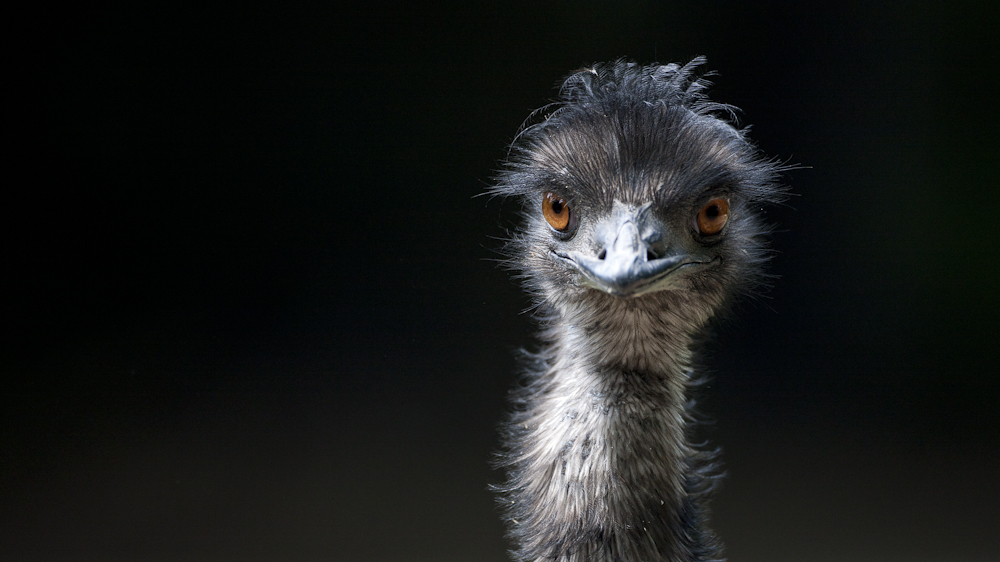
x,y
637,254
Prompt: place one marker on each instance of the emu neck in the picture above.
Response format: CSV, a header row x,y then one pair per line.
x,y
605,459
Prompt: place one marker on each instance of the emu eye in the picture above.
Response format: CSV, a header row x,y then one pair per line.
x,y
713,216
556,211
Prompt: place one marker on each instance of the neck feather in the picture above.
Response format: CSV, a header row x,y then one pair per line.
x,y
601,467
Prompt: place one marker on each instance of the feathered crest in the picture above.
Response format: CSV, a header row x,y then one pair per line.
x,y
670,84
621,83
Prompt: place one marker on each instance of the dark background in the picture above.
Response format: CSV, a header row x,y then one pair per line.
x,y
251,312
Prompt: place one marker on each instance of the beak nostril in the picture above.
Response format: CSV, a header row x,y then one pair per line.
x,y
602,255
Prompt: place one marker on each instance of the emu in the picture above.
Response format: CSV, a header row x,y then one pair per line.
x,y
641,223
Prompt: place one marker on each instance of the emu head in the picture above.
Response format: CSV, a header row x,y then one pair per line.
x,y
638,191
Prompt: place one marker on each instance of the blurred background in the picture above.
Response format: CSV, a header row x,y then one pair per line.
x,y
251,311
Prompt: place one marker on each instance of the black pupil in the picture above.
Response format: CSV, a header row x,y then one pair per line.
x,y
557,207
712,212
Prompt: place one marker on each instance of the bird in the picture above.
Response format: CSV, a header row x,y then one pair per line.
x,y
641,223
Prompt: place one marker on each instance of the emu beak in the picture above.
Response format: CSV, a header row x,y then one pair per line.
x,y
628,263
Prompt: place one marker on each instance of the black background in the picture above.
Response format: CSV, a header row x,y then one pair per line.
x,y
251,311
